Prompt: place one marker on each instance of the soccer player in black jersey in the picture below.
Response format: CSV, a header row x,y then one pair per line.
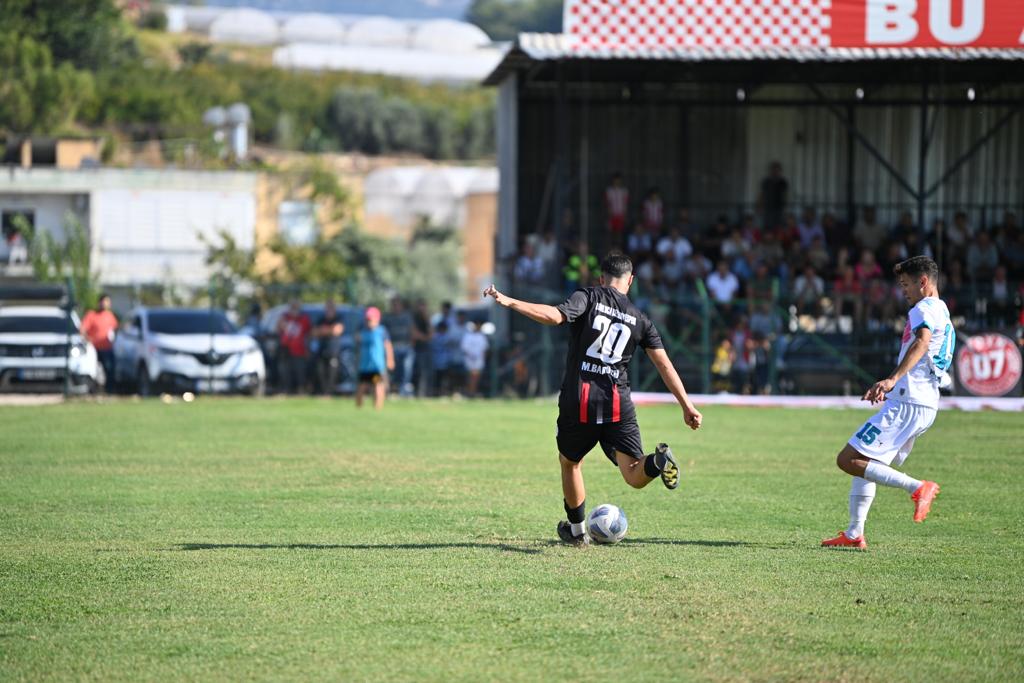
x,y
594,405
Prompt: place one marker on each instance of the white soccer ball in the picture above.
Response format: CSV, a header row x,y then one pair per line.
x,y
607,524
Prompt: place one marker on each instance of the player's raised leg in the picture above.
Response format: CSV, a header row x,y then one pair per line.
x,y
573,531
639,472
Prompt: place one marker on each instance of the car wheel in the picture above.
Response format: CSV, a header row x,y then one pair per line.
x,y
143,385
260,389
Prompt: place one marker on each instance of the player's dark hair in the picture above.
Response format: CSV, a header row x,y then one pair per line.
x,y
616,265
918,265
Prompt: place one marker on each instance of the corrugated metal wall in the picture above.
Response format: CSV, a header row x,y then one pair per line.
x,y
712,159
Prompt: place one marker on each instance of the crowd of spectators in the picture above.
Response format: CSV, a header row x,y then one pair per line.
x,y
780,263
434,354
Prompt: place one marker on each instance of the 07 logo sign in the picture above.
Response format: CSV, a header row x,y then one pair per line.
x,y
611,340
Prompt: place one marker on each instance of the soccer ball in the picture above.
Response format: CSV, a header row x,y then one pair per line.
x,y
607,524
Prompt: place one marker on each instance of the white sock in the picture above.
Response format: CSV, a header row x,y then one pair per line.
x,y
577,529
887,476
862,493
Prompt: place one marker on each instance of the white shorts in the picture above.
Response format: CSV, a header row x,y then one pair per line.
x,y
889,435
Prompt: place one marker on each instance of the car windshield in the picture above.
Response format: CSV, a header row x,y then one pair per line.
x,y
190,322
35,323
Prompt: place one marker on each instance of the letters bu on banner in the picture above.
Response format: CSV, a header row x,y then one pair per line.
x,y
635,25
928,23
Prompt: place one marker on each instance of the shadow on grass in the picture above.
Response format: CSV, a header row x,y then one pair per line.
x,y
676,541
503,547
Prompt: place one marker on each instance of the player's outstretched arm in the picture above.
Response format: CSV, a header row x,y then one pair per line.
x,y
671,378
542,313
918,348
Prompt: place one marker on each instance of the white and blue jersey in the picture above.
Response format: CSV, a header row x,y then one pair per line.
x,y
921,385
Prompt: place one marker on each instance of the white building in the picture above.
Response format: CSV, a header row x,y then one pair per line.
x,y
145,225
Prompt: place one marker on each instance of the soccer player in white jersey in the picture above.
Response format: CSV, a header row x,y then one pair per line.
x,y
911,400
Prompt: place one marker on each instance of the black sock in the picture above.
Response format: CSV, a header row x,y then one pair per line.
x,y
654,464
576,515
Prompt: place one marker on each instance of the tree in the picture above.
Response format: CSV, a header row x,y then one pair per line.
x,y
506,19
54,261
91,34
36,96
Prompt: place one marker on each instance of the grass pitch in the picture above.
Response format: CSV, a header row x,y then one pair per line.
x,y
303,540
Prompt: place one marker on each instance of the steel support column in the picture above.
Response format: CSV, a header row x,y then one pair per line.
x,y
561,153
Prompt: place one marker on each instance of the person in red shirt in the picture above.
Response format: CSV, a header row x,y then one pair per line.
x,y
98,327
616,198
293,330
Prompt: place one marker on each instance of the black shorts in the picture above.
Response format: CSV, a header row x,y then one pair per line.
x,y
372,377
576,439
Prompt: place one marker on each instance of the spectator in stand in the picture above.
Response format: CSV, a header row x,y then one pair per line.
x,y
697,267
676,242
817,255
98,327
421,346
808,289
761,288
723,285
763,320
770,251
474,352
959,234
789,234
376,359
1000,299
982,257
745,268
904,227
580,267
327,335
653,211
915,246
867,269
748,228
293,333
894,252
399,322
1014,256
616,199
447,314
743,362
456,362
773,197
439,358
836,234
849,294
640,244
715,237
685,226
869,233
529,268
721,366
809,228
735,247
761,359
878,303
549,252
1006,232
673,270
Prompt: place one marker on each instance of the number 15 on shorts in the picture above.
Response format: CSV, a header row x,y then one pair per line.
x,y
868,433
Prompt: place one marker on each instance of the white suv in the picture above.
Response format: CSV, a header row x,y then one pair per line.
x,y
186,349
35,350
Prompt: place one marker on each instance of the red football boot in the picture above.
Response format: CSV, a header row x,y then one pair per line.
x,y
923,497
841,541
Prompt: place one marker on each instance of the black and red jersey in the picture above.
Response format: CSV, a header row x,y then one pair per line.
x,y
604,330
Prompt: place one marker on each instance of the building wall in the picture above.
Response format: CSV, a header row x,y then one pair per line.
x,y
479,235
51,211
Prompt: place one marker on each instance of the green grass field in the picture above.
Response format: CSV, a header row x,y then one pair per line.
x,y
302,540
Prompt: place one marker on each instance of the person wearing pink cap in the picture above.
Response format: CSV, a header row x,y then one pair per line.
x,y
376,358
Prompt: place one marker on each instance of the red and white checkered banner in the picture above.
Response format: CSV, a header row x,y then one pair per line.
x,y
651,24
